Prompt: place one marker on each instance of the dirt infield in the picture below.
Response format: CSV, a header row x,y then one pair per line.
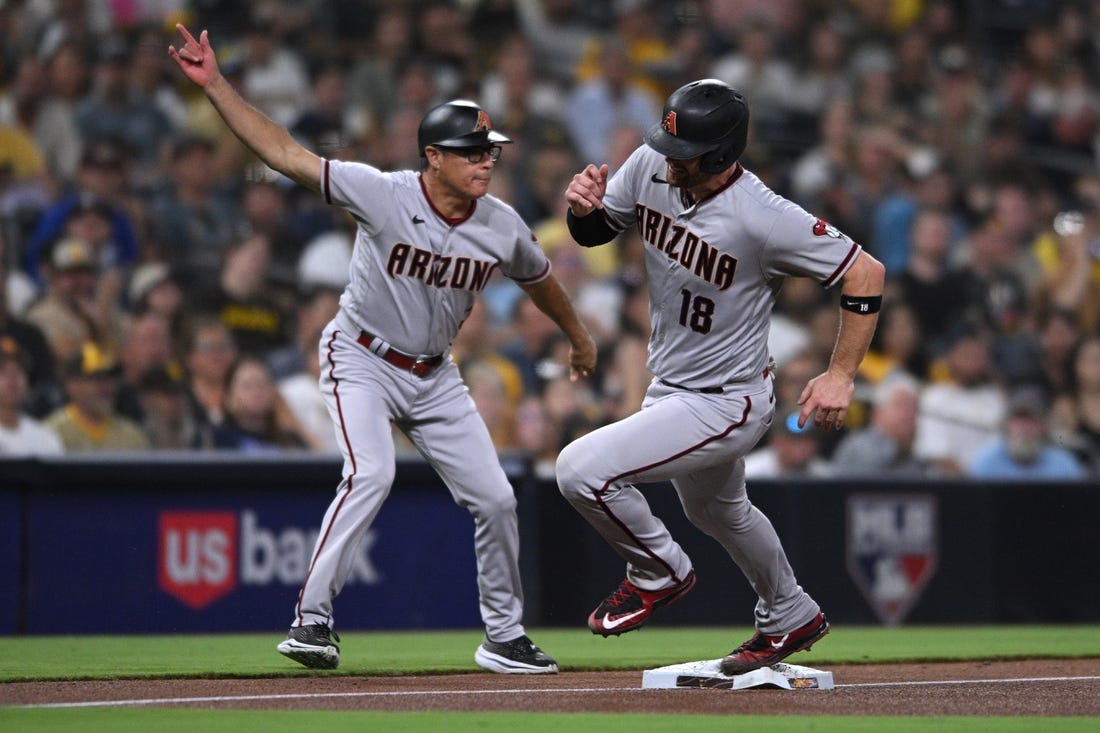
x,y
1028,688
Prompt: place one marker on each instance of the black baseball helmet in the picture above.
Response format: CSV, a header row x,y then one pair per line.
x,y
459,123
706,118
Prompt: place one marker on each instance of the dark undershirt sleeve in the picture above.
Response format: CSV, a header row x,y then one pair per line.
x,y
591,230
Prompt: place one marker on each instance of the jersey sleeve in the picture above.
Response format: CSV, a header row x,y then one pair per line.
x,y
802,245
365,191
527,263
622,192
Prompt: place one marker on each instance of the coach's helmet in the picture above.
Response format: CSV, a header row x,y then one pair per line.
x,y
459,123
706,117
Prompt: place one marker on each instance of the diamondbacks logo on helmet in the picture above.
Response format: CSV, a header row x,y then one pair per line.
x,y
483,122
669,123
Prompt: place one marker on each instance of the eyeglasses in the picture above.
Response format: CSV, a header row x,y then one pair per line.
x,y
476,155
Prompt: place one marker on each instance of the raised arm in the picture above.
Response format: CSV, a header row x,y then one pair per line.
x,y
551,299
268,140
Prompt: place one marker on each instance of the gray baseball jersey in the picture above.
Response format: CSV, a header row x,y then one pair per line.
x,y
414,277
415,273
713,268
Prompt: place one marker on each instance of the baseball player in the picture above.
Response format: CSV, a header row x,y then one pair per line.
x,y
427,244
718,244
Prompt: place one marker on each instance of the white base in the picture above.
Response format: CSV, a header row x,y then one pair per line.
x,y
707,674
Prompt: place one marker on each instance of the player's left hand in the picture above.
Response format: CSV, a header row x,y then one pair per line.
x,y
826,397
582,359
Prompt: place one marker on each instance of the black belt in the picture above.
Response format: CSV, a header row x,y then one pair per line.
x,y
421,366
705,390
700,390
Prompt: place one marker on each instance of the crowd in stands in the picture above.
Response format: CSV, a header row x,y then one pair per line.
x,y
160,289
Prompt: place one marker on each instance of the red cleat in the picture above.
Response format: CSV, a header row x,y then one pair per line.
x,y
629,606
763,650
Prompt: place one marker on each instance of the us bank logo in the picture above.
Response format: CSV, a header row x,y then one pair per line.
x,y
892,549
203,556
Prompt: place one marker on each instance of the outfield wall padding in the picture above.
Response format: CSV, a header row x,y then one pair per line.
x,y
221,543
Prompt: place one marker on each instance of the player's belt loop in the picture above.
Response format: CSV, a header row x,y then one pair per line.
x,y
421,366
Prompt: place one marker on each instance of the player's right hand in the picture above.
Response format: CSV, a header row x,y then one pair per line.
x,y
195,58
582,359
585,192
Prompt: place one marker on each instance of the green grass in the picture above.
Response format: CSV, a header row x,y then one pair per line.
x,y
431,652
375,653
190,721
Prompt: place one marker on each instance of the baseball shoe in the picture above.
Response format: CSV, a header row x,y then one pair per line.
x,y
518,656
312,646
629,606
763,650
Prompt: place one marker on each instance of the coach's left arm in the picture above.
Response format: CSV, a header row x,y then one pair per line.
x,y
552,300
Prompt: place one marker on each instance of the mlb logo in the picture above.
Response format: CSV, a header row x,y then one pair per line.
x,y
892,548
197,556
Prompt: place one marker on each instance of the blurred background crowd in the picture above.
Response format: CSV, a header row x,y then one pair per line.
x,y
162,290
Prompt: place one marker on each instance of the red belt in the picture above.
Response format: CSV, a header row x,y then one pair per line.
x,y
421,366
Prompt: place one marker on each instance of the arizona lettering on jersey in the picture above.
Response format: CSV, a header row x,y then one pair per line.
x,y
435,269
714,266
436,265
682,245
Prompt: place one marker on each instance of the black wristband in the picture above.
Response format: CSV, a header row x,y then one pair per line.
x,y
862,304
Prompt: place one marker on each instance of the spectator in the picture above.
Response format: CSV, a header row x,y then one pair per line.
x,y
538,436
275,77
150,74
208,353
243,301
514,94
650,58
489,392
372,83
596,107
299,370
884,449
815,174
144,344
154,288
44,389
115,109
194,224
790,451
938,294
79,304
100,185
558,33
20,434
89,423
255,419
1077,410
1024,450
765,78
168,423
822,76
26,106
66,85
1071,258
958,416
322,125
478,342
532,333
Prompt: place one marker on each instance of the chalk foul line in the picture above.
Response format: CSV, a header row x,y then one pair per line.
x,y
413,693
